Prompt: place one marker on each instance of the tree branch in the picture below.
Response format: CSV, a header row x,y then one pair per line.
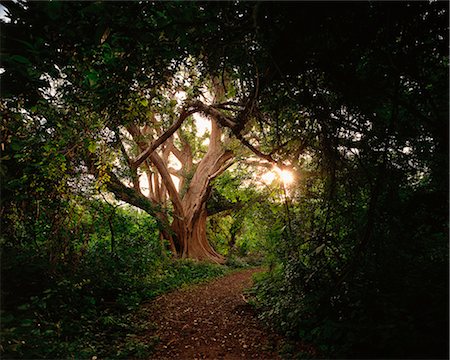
x,y
221,164
258,163
167,134
168,182
158,162
225,121
175,151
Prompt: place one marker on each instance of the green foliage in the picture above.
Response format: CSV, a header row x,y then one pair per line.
x,y
354,96
355,271
392,302
245,218
89,305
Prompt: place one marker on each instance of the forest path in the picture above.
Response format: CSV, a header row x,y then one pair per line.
x,y
211,321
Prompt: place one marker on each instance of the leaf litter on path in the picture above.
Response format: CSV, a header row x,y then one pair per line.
x,y
211,321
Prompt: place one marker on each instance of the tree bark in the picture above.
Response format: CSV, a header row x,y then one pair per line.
x,y
187,237
191,235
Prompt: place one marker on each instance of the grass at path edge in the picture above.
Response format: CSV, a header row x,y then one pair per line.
x,y
88,316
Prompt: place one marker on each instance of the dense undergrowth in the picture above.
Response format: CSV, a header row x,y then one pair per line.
x,y
390,301
90,311
77,316
353,99
88,305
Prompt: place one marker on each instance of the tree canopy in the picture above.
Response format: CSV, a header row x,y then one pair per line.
x,y
178,109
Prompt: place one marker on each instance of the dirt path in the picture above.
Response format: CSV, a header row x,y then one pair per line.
x,y
211,321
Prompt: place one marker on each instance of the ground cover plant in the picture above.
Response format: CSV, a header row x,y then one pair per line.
x,y
89,305
150,145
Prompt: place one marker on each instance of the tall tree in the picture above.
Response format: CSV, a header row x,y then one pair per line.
x,y
120,89
154,145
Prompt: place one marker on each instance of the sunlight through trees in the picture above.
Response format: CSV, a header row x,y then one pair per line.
x,y
150,145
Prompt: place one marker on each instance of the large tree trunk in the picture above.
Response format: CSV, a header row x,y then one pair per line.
x,y
187,235
191,236
191,227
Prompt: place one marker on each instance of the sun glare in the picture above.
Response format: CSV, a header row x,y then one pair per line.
x,y
285,176
268,177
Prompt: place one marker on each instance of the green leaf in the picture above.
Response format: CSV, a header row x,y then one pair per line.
x,y
20,59
27,322
23,307
319,249
92,147
16,146
92,78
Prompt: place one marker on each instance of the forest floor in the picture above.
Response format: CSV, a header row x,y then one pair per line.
x,y
211,321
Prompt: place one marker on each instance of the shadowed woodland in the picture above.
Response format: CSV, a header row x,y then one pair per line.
x,y
150,146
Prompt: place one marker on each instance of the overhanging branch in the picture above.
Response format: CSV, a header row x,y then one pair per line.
x,y
226,121
167,134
